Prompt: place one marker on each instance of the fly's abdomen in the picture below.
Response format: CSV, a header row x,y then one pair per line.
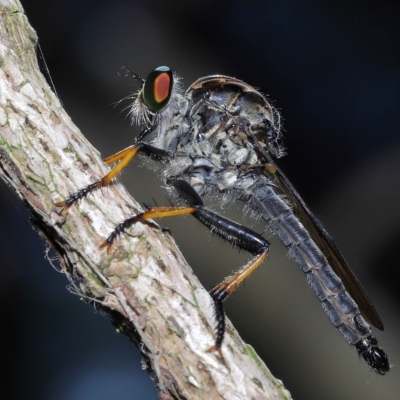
x,y
338,304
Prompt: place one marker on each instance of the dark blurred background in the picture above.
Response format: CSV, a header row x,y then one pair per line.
x,y
333,69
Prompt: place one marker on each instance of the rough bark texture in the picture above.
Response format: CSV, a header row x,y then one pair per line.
x,y
144,285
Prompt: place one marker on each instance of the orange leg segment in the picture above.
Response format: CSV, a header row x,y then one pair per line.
x,y
128,152
224,289
230,284
124,157
155,212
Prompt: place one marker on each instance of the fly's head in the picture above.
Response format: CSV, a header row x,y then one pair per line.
x,y
158,100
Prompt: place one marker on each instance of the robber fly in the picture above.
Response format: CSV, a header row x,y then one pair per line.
x,y
220,137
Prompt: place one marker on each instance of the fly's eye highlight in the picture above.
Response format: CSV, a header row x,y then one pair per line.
x,y
157,89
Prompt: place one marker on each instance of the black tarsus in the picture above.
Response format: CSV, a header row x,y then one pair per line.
x,y
82,193
121,227
219,316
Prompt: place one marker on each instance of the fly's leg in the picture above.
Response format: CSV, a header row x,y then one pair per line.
x,y
124,157
230,284
150,213
233,232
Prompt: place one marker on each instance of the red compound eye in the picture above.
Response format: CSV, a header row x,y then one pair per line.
x,y
158,88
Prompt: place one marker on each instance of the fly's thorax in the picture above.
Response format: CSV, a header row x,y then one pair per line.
x,y
219,146
221,99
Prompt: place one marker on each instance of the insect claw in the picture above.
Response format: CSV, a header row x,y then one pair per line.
x,y
106,245
215,348
64,207
59,203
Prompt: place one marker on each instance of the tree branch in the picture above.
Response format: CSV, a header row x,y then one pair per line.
x,y
144,285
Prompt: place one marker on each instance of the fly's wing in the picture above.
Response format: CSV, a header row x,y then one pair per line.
x,y
325,242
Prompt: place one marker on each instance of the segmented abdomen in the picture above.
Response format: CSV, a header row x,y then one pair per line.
x,y
337,302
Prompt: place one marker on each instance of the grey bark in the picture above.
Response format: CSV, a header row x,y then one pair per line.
x,y
145,285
